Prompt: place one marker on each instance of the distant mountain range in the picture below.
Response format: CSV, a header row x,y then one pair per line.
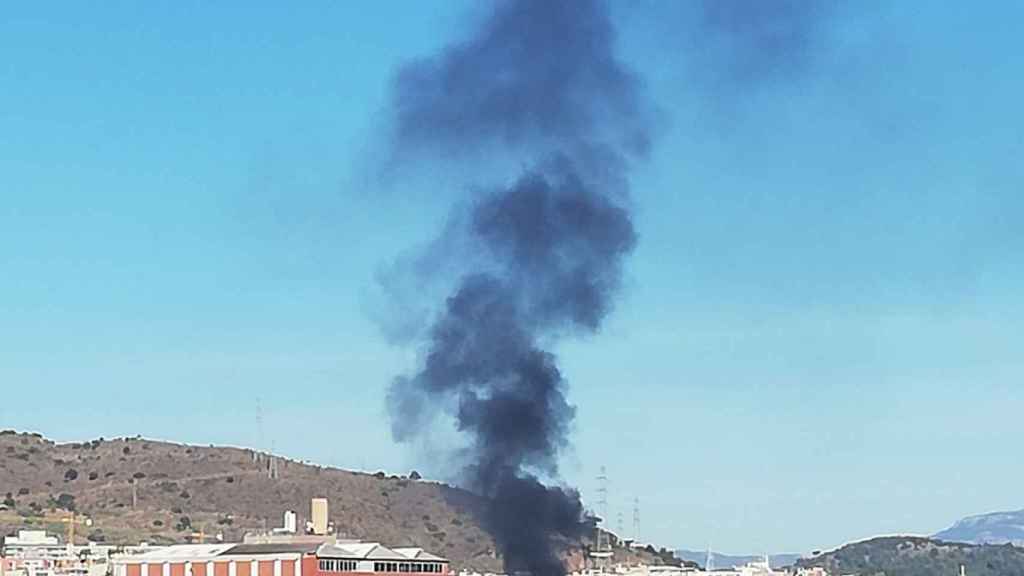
x,y
731,561
994,528
975,541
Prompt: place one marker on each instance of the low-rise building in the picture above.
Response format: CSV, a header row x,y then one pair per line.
x,y
37,553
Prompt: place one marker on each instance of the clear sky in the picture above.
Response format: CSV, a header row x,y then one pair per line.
x,y
819,335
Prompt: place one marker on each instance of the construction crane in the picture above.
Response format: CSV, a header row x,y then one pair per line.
x,y
73,520
201,536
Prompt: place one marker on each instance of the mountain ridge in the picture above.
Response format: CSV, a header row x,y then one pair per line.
x,y
990,528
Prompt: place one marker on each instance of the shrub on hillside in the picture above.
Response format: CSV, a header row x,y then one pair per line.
x,y
65,501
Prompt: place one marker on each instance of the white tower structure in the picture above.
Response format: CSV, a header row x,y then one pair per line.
x,y
291,522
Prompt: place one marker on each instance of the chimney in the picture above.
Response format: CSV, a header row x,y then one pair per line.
x,y
319,516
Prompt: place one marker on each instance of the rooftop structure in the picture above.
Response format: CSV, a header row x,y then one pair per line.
x,y
318,513
31,539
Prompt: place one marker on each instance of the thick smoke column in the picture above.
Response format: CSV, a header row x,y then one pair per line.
x,y
540,81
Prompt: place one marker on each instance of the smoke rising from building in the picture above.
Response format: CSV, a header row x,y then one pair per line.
x,y
539,81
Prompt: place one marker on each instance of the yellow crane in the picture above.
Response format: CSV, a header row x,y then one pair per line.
x,y
73,520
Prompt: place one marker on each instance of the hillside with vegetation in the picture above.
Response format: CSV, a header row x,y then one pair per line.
x,y
912,556
133,489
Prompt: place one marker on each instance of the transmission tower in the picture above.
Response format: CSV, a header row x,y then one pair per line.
x,y
602,502
259,430
272,471
636,519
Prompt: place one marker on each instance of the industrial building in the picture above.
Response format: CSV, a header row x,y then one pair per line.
x,y
300,557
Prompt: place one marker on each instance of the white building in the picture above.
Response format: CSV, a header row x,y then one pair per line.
x,y
36,553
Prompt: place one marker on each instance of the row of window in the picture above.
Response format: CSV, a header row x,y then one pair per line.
x,y
408,567
337,565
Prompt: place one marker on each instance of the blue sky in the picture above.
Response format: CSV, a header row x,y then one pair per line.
x,y
818,338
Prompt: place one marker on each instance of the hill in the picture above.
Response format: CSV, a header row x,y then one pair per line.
x,y
914,556
994,528
733,560
133,490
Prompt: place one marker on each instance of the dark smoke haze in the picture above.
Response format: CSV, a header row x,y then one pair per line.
x,y
538,80
742,42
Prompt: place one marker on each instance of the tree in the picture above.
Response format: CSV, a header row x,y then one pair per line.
x,y
66,501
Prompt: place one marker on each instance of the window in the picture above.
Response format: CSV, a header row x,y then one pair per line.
x,y
347,566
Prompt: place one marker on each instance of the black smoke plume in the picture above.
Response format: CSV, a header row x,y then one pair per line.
x,y
537,74
538,80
